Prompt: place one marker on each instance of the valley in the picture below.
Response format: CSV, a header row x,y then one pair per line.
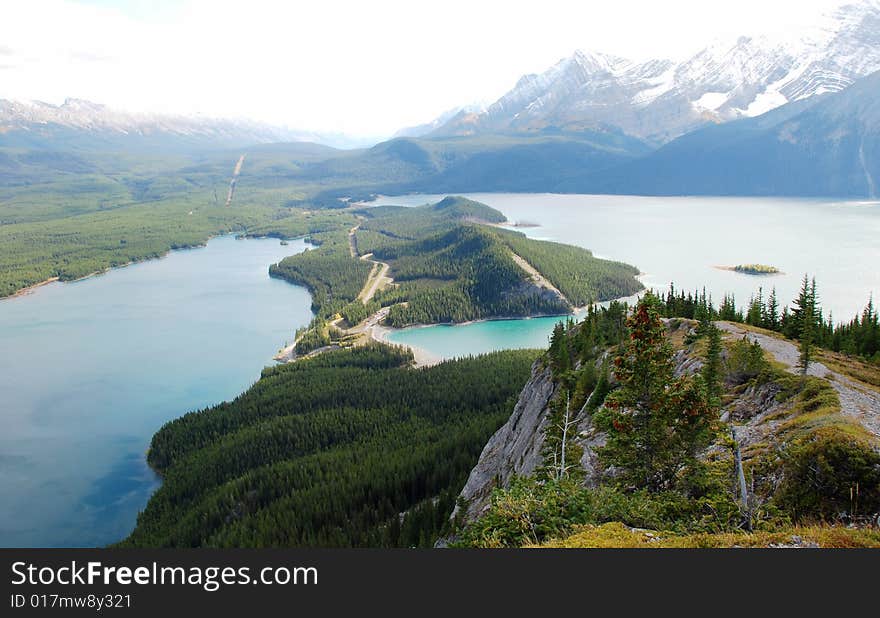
x,y
626,303
371,260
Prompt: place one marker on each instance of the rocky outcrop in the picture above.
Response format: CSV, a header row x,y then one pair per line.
x,y
515,449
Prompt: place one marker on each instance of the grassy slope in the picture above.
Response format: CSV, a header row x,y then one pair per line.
x,y
616,535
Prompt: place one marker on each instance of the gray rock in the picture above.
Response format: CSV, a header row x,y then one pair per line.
x,y
515,449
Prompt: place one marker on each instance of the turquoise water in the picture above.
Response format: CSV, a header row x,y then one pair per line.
x,y
91,369
681,240
449,341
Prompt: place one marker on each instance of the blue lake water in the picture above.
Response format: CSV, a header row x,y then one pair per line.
x,y
682,240
449,341
90,370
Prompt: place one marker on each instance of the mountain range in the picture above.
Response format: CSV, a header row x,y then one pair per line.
x,y
85,125
753,116
658,99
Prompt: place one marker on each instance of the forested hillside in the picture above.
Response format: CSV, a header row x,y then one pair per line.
x,y
69,213
450,267
464,274
332,275
449,262
351,448
580,276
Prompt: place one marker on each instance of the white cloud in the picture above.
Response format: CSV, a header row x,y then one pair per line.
x,y
353,66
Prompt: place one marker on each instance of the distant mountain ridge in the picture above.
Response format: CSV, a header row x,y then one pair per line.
x,y
659,100
35,124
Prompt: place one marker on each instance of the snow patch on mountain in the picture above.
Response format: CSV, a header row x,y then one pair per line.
x,y
711,100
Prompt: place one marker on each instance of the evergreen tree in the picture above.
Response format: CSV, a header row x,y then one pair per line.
x,y
772,312
656,423
869,332
755,315
799,308
712,371
728,310
806,323
560,355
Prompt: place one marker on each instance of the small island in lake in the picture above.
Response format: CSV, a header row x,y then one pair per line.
x,y
752,269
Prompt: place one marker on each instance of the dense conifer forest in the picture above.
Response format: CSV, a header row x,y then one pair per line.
x,y
351,448
451,267
70,246
68,214
581,277
333,277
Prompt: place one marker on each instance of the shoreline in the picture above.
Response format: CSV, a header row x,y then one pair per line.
x,y
421,357
424,358
36,286
30,289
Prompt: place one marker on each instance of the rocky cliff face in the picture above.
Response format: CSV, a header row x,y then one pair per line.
x,y
515,449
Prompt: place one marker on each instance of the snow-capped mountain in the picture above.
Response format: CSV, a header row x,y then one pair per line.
x,y
660,99
33,122
827,145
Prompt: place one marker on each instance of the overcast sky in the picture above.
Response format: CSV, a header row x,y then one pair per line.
x,y
363,67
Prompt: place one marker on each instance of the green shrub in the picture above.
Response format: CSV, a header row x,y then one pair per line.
x,y
828,473
745,360
531,512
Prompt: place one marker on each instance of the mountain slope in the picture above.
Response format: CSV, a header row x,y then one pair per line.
x,y
782,431
477,163
827,146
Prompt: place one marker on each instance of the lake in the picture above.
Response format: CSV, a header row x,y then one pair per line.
x,y
682,240
91,369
